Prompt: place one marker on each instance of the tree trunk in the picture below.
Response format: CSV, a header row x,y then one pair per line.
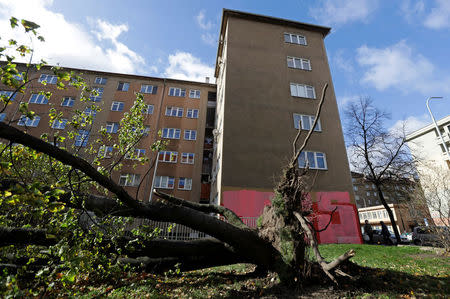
x,y
389,211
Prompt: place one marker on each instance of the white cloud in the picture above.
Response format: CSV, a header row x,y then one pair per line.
x,y
398,67
68,43
343,63
185,66
344,100
209,39
440,15
202,22
338,12
410,124
412,9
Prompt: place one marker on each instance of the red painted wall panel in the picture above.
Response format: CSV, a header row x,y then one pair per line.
x,y
344,227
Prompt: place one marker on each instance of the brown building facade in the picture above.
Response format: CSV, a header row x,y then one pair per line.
x,y
176,108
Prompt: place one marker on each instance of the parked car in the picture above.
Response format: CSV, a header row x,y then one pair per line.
x,y
406,238
425,235
378,238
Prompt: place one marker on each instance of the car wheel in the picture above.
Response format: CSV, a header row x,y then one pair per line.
x,y
417,242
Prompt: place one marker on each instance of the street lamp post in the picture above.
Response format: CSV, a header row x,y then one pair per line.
x,y
154,177
435,124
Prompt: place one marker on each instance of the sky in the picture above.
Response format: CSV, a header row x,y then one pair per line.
x,y
396,52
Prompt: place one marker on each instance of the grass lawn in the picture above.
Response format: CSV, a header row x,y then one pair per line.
x,y
390,272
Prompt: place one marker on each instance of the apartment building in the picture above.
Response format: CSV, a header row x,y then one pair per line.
x,y
270,74
176,108
432,159
229,149
397,195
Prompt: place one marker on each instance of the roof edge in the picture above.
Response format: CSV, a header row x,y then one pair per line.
x,y
427,128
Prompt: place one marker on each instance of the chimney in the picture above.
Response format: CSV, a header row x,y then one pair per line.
x,y
207,79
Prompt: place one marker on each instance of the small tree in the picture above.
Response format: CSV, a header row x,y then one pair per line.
x,y
379,154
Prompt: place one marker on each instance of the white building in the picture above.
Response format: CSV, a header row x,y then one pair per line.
x,y
433,165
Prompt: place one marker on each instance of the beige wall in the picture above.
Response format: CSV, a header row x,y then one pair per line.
x,y
258,109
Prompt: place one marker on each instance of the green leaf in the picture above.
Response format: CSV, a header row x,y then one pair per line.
x,y
41,38
29,26
13,22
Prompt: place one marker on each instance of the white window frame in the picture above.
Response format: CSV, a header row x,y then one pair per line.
x,y
149,89
174,111
100,80
82,138
299,63
117,106
168,157
60,124
177,92
187,184
6,94
49,79
171,133
28,122
138,153
148,109
305,155
190,134
192,113
68,102
129,179
112,127
297,88
306,121
194,93
187,158
164,182
38,99
2,116
105,151
288,38
98,97
123,86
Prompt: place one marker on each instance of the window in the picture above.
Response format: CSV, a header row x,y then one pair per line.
x,y
117,106
138,153
187,158
67,102
89,111
129,179
192,113
164,182
177,92
149,89
314,160
355,188
148,109
105,151
299,63
190,134
302,91
2,116
29,122
112,127
356,197
306,122
368,193
171,133
38,99
295,39
100,80
49,79
6,95
82,138
98,97
167,156
194,94
59,124
174,111
123,86
184,184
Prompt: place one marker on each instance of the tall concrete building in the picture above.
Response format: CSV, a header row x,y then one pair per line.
x,y
433,165
269,73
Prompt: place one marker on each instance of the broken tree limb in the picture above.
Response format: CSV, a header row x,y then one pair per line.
x,y
229,215
326,267
23,236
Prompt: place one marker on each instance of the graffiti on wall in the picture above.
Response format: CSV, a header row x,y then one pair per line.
x,y
344,226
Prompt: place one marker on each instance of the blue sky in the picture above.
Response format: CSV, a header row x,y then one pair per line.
x,y
396,52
